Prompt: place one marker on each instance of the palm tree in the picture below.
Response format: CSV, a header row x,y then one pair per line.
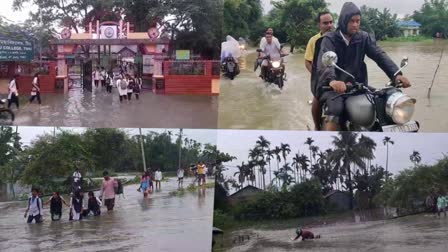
x,y
303,163
369,146
253,157
277,152
295,163
284,176
241,174
347,152
285,151
314,150
309,141
386,141
269,156
415,158
263,144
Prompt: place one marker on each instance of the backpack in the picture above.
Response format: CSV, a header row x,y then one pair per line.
x,y
123,85
119,188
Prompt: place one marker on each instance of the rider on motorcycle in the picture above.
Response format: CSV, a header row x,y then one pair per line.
x,y
271,49
351,46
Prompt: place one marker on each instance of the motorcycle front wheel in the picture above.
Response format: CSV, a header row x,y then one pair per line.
x,y
6,117
280,82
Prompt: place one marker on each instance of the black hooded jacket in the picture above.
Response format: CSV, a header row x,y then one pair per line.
x,y
351,57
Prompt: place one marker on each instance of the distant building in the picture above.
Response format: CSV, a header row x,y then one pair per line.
x,y
409,28
340,200
244,194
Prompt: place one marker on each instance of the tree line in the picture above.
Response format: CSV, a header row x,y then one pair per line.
x,y
51,158
190,24
297,188
295,21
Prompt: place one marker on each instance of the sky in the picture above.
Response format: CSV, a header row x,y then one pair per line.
x,y
401,7
431,146
15,16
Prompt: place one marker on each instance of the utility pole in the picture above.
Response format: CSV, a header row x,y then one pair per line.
x,y
143,150
180,147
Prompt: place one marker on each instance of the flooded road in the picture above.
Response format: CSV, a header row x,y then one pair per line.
x,y
246,102
160,223
407,234
102,110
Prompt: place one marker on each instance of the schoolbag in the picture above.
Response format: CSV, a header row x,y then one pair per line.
x,y
123,85
119,189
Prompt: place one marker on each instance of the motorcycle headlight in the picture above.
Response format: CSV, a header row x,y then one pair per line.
x,y
400,107
242,47
276,64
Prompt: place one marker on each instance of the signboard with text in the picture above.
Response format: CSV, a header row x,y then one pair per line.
x,y
16,50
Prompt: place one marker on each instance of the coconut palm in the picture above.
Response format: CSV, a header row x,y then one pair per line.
x,y
241,173
303,163
369,145
386,141
347,152
285,177
314,151
415,158
295,164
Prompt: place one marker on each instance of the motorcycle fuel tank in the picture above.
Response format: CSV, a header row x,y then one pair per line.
x,y
360,111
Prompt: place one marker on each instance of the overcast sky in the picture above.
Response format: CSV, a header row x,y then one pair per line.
x,y
401,7
431,146
15,16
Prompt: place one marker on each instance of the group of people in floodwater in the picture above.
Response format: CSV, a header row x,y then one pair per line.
x,y
199,171
109,189
123,77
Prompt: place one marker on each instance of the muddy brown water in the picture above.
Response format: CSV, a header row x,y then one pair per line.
x,y
246,102
160,223
423,232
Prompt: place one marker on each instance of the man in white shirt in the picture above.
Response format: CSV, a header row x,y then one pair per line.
x,y
180,177
274,39
34,207
269,49
97,76
158,178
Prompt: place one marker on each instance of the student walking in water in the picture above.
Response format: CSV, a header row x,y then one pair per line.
x,y
35,89
180,177
13,92
76,206
108,191
34,209
93,205
56,202
158,179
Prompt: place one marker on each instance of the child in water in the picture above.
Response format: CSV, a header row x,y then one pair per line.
x,y
306,235
56,202
93,205
145,184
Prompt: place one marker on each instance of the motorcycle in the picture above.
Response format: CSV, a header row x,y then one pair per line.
x,y
6,115
230,67
369,109
276,70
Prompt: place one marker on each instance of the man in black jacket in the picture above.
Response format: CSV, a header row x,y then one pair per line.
x,y
351,46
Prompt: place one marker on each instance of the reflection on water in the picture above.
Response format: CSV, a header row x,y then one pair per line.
x,y
246,103
160,223
99,109
412,233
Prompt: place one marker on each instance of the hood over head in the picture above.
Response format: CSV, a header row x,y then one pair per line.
x,y
348,10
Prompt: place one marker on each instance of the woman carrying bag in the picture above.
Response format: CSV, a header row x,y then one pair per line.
x,y
13,93
35,90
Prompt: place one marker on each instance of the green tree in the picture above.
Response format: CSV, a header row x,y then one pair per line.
x,y
415,158
386,141
243,18
298,17
382,24
433,15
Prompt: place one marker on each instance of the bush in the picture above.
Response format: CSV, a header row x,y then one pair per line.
x,y
302,200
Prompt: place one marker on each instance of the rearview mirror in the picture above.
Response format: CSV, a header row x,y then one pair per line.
x,y
404,61
329,59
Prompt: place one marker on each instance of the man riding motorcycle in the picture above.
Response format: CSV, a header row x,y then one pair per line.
x,y
271,49
351,46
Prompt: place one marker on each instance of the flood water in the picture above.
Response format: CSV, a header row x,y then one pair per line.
x,y
160,223
408,234
102,110
246,102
